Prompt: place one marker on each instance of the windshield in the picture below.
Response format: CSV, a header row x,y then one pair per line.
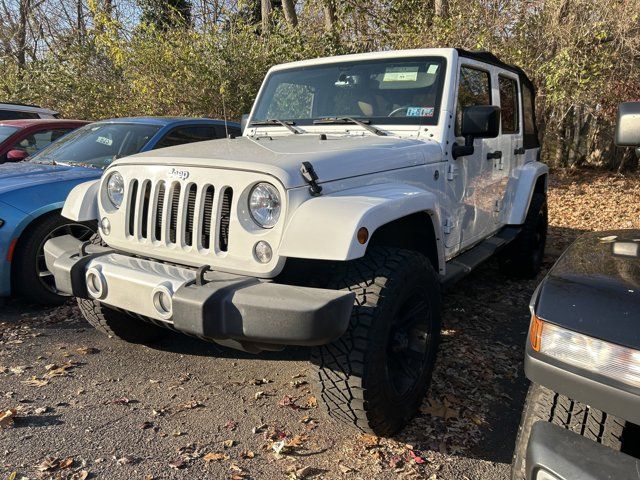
x,y
389,91
97,144
6,132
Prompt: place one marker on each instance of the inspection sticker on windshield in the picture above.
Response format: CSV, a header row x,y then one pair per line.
x,y
104,141
401,74
420,111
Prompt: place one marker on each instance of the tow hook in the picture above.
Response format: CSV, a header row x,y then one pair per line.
x,y
310,176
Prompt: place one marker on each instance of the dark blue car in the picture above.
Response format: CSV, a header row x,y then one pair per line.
x,y
33,192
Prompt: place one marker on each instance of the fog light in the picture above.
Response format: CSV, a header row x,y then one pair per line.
x,y
96,283
162,301
263,252
105,226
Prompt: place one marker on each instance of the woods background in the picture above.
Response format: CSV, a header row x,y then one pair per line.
x,y
108,58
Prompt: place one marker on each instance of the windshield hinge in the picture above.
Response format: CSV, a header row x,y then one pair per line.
x,y
310,176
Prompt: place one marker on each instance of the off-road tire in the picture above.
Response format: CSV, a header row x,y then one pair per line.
x,y
523,257
116,323
353,375
545,405
25,263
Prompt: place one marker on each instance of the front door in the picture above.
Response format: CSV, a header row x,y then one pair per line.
x,y
470,178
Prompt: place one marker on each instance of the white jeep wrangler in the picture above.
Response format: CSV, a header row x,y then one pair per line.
x,y
361,186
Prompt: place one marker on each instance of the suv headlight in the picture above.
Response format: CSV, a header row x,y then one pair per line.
x,y
115,189
264,204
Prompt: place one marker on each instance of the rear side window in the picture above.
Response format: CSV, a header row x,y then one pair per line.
x,y
17,115
182,135
509,104
474,89
38,140
529,114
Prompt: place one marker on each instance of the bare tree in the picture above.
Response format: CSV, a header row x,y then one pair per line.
x,y
289,8
265,15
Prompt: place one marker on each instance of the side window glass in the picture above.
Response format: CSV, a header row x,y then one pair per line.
x,y
16,115
182,135
474,89
38,140
508,104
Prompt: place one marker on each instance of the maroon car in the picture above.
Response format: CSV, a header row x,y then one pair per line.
x,y
22,138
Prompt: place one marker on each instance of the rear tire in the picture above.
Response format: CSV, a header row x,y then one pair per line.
x,y
545,405
32,279
523,257
375,376
115,323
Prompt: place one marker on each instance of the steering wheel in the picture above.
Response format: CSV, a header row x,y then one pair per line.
x,y
399,109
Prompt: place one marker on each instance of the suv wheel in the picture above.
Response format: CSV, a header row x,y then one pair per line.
x,y
545,405
523,258
32,277
375,376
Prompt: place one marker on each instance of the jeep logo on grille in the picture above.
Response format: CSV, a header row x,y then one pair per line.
x,y
178,174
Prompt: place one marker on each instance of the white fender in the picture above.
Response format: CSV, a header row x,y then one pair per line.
x,y
82,202
326,227
523,189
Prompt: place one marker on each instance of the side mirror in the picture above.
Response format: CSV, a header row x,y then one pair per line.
x,y
16,155
243,122
479,121
628,125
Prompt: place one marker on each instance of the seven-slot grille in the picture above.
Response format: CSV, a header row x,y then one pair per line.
x,y
156,209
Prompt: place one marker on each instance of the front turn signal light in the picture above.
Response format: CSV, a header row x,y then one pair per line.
x,y
535,332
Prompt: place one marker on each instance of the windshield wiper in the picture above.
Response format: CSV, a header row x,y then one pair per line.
x,y
366,124
275,121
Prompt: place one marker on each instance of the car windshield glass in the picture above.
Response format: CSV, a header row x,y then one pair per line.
x,y
97,144
6,132
389,91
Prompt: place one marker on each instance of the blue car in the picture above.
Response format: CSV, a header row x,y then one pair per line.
x,y
33,192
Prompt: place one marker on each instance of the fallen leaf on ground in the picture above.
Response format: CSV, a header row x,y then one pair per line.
x,y
18,370
6,418
247,454
188,406
81,475
228,443
177,464
215,457
231,425
66,463
87,350
126,460
258,395
119,401
288,401
36,382
441,410
48,464
40,410
312,402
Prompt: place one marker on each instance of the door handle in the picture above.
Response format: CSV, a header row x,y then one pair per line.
x,y
519,151
494,155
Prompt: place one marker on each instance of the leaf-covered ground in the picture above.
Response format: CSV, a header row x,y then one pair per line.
x,y
76,404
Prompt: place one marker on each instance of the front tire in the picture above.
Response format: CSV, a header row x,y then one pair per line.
x,y
32,279
375,376
116,323
545,405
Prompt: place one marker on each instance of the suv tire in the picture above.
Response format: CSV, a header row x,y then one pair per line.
x,y
32,279
375,376
116,323
523,258
545,405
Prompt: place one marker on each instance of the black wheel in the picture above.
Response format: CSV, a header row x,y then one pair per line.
x,y
523,258
116,323
545,405
33,279
375,376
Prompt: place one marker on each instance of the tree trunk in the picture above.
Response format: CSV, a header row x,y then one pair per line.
x,y
21,34
265,15
560,160
290,14
441,8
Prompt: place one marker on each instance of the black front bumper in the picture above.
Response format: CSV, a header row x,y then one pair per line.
x,y
239,311
554,453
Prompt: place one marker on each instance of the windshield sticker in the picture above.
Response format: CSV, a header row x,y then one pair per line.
x,y
104,141
432,69
401,74
420,111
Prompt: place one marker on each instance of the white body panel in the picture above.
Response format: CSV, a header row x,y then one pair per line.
x,y
81,204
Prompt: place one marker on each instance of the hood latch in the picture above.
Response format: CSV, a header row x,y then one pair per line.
x,y
310,176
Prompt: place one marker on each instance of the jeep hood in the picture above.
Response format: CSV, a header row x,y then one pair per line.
x,y
337,157
16,176
594,288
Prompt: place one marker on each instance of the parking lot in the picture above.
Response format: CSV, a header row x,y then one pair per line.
x,y
86,405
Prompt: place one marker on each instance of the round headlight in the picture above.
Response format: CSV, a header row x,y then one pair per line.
x,y
264,205
115,189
